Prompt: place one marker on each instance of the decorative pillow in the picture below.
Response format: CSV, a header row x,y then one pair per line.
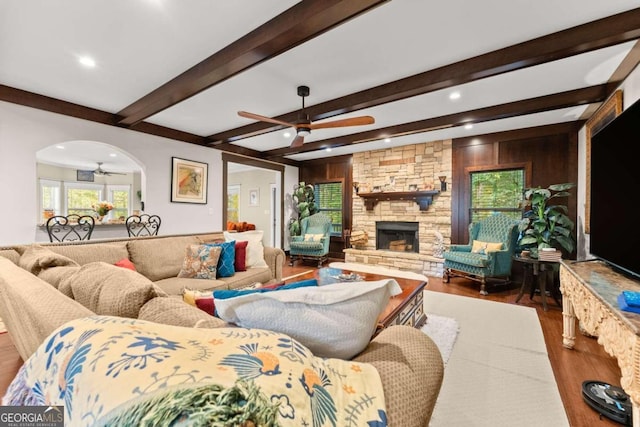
x,y
200,262
125,263
255,249
240,263
227,259
313,237
109,290
480,247
334,321
36,258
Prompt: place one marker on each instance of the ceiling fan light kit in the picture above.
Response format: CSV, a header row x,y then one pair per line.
x,y
304,126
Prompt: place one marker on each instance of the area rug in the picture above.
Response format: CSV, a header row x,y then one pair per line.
x,y
375,269
443,331
499,372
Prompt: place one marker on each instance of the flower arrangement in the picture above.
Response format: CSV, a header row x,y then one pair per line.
x,y
102,208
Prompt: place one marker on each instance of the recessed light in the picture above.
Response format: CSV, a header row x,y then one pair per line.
x,y
468,126
60,147
328,149
87,61
286,134
454,95
113,155
387,140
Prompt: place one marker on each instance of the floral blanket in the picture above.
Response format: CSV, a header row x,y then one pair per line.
x,y
115,371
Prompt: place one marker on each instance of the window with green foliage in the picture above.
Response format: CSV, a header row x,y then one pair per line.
x,y
496,191
119,196
80,198
329,201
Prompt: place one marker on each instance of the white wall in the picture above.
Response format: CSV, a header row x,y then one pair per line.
x,y
630,94
24,131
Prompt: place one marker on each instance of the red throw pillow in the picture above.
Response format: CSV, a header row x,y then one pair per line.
x,y
240,262
126,263
206,304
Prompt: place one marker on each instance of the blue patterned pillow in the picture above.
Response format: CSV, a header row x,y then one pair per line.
x,y
227,259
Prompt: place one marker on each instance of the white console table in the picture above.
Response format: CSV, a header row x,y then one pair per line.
x,y
590,291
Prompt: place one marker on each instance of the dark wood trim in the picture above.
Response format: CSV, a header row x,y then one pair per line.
x,y
584,38
524,133
296,25
571,98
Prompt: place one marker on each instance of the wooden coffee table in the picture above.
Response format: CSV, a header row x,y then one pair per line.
x,y
405,308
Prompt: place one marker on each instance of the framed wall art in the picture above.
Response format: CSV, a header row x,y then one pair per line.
x,y
86,176
188,181
609,110
254,197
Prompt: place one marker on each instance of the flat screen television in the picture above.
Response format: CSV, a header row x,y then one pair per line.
x,y
615,185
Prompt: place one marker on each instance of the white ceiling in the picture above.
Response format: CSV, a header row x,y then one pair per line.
x,y
140,45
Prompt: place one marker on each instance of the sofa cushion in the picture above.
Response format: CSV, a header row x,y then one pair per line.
x,y
36,258
109,290
200,262
173,311
159,258
57,275
175,285
335,320
255,248
240,263
85,252
227,258
11,254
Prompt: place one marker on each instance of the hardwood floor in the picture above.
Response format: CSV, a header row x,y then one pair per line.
x,y
587,361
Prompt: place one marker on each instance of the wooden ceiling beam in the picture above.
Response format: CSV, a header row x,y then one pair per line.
x,y
296,25
588,95
584,38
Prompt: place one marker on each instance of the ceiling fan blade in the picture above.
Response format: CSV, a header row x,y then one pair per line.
x,y
353,121
297,141
264,118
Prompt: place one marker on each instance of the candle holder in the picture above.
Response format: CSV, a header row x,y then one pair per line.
x,y
443,182
356,186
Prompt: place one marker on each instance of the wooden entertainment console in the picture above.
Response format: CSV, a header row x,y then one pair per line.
x,y
590,290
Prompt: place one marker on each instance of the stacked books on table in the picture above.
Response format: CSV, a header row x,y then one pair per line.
x,y
549,254
629,301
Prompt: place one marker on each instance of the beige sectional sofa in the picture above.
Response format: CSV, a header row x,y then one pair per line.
x,y
44,286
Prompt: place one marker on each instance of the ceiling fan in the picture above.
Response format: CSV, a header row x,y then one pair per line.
x,y
100,171
304,126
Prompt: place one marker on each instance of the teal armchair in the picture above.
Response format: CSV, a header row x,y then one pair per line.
x,y
489,254
313,242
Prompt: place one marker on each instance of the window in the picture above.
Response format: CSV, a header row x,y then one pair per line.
x,y
233,202
120,198
49,198
496,191
329,202
80,197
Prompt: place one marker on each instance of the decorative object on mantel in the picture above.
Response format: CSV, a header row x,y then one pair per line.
x,y
413,187
443,182
376,189
422,198
356,186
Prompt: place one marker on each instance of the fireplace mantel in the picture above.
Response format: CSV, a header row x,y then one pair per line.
x,y
422,198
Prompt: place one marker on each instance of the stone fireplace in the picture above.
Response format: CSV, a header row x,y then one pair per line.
x,y
403,169
399,236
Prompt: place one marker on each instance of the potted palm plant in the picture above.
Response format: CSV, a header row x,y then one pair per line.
x,y
544,224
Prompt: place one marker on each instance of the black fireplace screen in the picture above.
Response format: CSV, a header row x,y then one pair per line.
x,y
397,236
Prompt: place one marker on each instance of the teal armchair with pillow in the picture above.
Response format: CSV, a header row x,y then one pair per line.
x,y
489,254
313,242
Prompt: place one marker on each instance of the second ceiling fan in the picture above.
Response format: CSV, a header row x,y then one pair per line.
x,y
304,126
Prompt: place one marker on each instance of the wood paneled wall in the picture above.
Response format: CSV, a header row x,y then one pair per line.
x,y
550,153
331,170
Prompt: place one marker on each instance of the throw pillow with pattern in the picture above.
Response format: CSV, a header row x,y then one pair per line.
x,y
200,262
226,263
